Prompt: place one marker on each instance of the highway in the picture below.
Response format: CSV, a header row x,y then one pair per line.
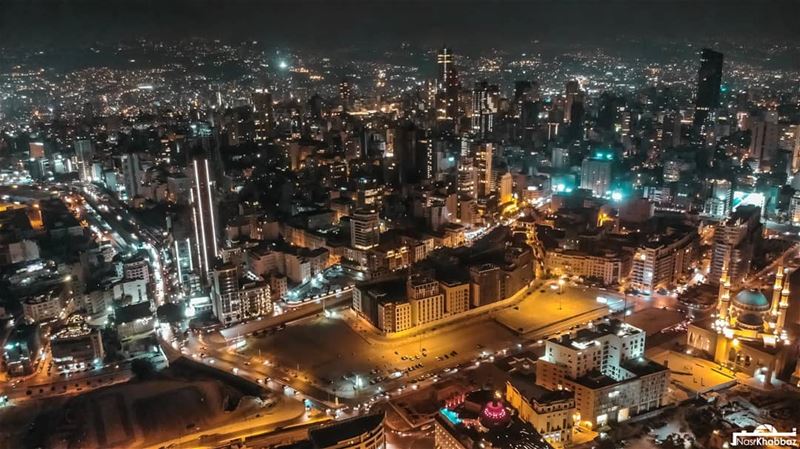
x,y
127,231
278,425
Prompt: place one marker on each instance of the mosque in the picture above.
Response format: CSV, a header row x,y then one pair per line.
x,y
749,333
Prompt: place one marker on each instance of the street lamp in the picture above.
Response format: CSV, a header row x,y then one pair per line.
x,y
560,291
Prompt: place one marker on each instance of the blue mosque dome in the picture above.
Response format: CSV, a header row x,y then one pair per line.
x,y
751,300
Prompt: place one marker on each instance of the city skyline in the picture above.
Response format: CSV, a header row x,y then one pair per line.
x,y
399,224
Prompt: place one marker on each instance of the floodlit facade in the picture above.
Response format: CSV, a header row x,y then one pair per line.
x,y
605,368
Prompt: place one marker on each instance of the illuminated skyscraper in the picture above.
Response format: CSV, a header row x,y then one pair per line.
x,y
483,164
485,98
84,151
447,86
346,93
572,89
203,215
709,80
262,114
446,68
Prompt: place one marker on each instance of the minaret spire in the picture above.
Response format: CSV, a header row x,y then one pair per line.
x,y
783,306
724,299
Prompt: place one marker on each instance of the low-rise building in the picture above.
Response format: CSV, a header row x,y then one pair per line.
x,y
75,345
482,419
609,267
55,303
134,322
604,366
550,412
23,350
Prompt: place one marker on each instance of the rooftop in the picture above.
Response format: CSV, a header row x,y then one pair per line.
x,y
528,388
133,312
386,290
595,379
586,336
641,366
75,327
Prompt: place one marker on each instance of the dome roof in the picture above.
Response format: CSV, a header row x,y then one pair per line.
x,y
494,414
751,320
752,299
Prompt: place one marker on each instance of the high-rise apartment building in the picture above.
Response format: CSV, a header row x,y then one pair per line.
x,y
735,240
84,151
572,90
262,114
483,164
662,261
364,229
709,81
559,158
764,137
485,99
131,174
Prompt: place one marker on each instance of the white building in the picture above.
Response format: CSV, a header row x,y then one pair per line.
x,y
235,298
47,306
596,174
605,367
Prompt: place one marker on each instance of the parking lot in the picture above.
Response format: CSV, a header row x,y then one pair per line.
x,y
334,356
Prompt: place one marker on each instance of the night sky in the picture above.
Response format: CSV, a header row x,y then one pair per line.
x,y
470,25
